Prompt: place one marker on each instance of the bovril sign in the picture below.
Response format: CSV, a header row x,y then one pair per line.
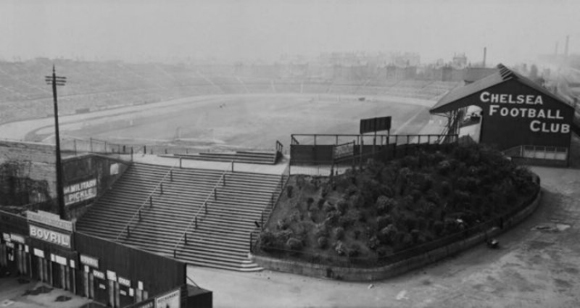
x,y
50,236
526,106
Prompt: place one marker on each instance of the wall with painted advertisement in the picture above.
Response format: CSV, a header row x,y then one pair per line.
x,y
515,114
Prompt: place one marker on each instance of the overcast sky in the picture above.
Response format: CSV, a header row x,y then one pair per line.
x,y
512,31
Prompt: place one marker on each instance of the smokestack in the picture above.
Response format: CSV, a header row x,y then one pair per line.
x,y
566,50
484,55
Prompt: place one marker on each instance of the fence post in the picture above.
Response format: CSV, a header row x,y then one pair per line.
x,y
139,214
171,175
185,237
131,153
205,208
180,162
232,166
105,150
215,194
196,222
124,148
165,150
161,186
150,201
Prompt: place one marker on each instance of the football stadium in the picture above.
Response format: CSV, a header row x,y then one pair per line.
x,y
352,179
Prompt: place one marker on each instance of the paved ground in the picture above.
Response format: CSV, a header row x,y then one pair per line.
x,y
537,266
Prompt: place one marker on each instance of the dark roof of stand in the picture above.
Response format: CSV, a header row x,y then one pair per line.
x,y
448,102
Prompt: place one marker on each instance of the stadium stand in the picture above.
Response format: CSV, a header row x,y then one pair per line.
x,y
126,214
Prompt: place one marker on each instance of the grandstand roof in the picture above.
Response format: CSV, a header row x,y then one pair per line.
x,y
454,99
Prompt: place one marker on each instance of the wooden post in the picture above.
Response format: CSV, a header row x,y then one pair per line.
x,y
262,221
196,222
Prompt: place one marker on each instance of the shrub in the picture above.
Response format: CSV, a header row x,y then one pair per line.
x,y
357,201
320,203
282,224
351,190
294,244
354,250
267,240
339,233
341,206
289,190
445,188
383,251
383,221
416,195
385,204
345,221
321,230
309,202
356,234
444,167
332,218
295,217
438,227
415,235
340,248
373,243
322,242
328,207
388,234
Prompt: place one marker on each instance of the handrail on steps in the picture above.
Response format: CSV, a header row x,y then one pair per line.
x,y
149,198
204,207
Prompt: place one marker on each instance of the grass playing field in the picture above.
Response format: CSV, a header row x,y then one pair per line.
x,y
231,122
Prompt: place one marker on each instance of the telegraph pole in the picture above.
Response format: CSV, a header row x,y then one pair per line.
x,y
57,81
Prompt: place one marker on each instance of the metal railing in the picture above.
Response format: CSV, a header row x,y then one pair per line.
x,y
274,198
194,220
148,199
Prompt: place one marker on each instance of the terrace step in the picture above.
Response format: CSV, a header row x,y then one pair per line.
x,y
222,237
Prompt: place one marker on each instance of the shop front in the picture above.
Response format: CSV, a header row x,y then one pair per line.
x,y
53,259
14,252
